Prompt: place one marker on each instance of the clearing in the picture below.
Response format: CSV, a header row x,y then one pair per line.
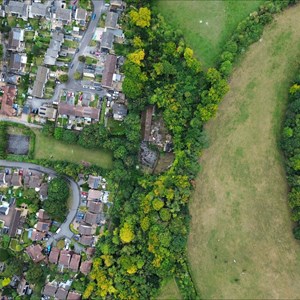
x,y
46,147
170,291
241,243
206,25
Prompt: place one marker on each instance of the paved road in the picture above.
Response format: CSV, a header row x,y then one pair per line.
x,y
65,227
19,121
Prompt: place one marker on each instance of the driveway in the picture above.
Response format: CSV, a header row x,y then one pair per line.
x,y
65,227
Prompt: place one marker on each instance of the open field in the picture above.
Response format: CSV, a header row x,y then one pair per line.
x,y
206,24
241,243
46,147
170,291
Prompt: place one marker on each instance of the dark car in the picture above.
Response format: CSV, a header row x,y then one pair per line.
x,y
72,65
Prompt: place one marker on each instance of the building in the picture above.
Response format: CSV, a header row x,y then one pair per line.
x,y
147,122
116,4
54,48
18,9
91,218
94,194
37,235
16,39
17,62
54,254
80,15
73,296
61,294
64,15
64,258
35,253
86,267
23,288
86,240
95,207
7,100
49,290
88,113
40,82
111,20
44,191
74,263
42,215
14,222
107,41
39,10
119,111
94,181
85,229
47,112
109,69
43,226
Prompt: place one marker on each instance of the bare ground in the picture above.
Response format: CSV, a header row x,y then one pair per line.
x,y
241,245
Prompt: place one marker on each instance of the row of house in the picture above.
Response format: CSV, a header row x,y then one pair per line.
x,y
54,48
53,291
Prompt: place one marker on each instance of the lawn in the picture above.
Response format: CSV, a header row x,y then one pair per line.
x,y
170,291
241,244
46,147
206,25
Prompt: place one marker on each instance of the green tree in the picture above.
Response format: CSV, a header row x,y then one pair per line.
x,y
63,78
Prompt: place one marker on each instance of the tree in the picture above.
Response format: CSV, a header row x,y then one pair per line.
x,y
58,133
35,274
126,233
141,18
81,58
137,56
77,75
63,78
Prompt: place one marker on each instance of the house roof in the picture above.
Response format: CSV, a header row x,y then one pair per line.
x,y
42,215
90,251
58,36
111,20
53,257
64,258
94,181
43,226
16,179
119,111
7,100
61,294
78,111
55,45
94,194
37,235
16,36
40,81
86,267
146,122
20,8
90,218
49,290
39,9
35,252
109,69
15,62
75,261
80,14
33,181
63,14
85,229
86,240
107,40
44,190
73,296
95,207
14,222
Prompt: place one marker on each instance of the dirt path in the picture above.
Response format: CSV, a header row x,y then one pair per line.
x,y
241,245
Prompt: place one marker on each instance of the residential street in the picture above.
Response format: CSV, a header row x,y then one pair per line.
x,y
65,227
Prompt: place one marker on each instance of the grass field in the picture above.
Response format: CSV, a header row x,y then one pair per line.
x,y
170,291
48,147
241,243
206,24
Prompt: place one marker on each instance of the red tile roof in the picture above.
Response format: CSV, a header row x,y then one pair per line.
x,y
86,267
35,252
78,111
109,69
75,261
7,100
64,258
53,257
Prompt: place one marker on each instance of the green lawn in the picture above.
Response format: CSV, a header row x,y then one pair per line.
x,y
15,245
170,291
206,25
241,244
46,147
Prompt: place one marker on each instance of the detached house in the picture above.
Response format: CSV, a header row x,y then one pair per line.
x,y
18,9
80,16
64,15
16,39
111,20
7,100
40,82
17,62
107,41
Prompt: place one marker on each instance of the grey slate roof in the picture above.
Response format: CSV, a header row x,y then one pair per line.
x,y
38,9
63,14
18,8
111,20
40,81
107,40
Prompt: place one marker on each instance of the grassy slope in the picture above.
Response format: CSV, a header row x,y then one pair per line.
x,y
241,244
45,147
222,17
170,291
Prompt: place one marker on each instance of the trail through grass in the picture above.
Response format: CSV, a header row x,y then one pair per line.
x,y
241,244
206,24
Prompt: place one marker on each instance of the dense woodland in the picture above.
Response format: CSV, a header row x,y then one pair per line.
x,y
290,144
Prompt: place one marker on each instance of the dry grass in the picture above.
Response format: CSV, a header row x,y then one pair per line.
x,y
241,245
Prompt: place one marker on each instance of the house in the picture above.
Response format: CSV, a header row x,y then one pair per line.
x,y
64,258
111,20
17,62
116,4
47,112
90,251
33,181
119,111
80,15
87,72
64,15
4,208
148,156
74,263
94,181
109,69
49,290
85,229
7,100
16,180
73,296
12,78
42,215
2,179
16,39
44,191
86,240
91,218
14,222
86,267
23,288
94,194
95,207
39,10
54,254
18,9
68,110
43,226
61,294
107,40
37,235
147,122
40,82
35,253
